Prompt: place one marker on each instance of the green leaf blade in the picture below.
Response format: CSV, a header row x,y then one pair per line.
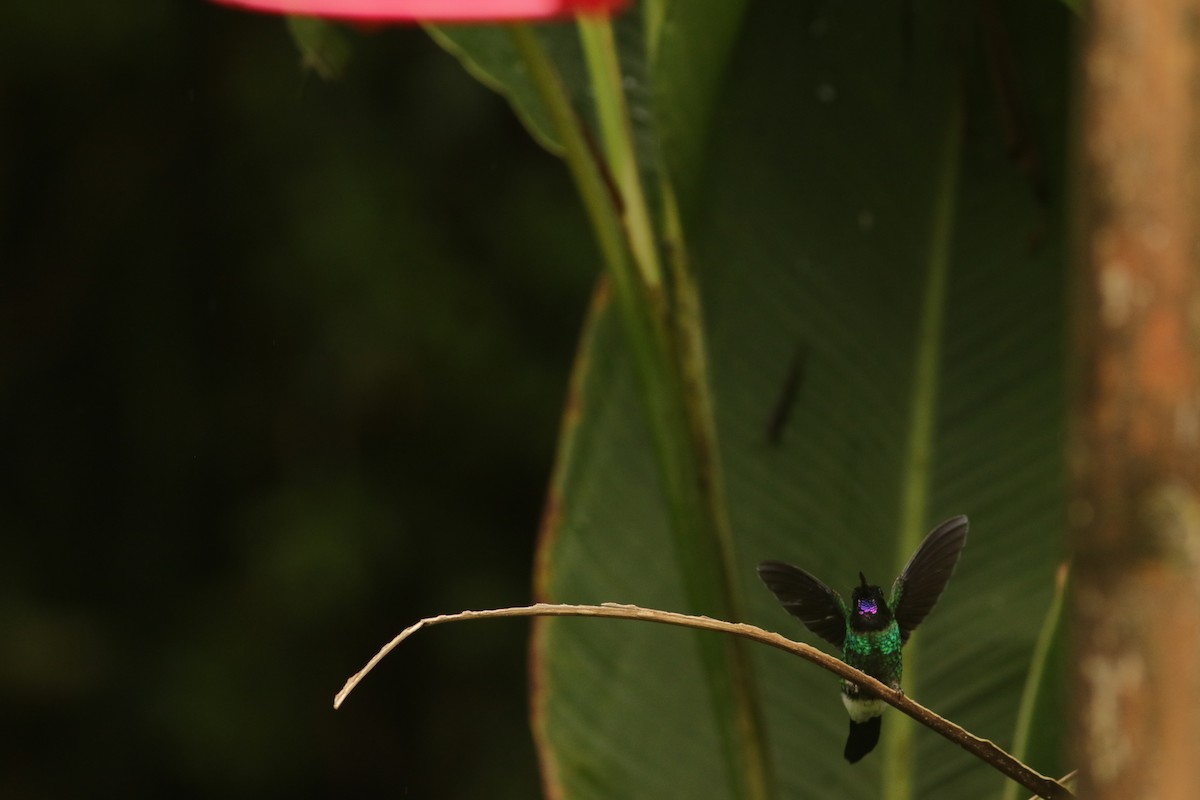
x,y
812,233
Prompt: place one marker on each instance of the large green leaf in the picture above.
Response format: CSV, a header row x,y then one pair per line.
x,y
684,44
697,518
490,54
836,173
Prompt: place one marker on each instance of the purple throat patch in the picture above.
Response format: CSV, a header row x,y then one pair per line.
x,y
867,606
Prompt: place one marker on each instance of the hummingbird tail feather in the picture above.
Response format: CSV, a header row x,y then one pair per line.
x,y
862,739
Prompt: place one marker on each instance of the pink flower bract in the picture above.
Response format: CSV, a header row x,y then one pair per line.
x,y
431,10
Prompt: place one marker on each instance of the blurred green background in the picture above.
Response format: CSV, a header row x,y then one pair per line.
x,y
283,368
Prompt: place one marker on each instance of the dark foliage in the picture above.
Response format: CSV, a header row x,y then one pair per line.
x,y
276,353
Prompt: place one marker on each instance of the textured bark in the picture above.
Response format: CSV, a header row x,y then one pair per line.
x,y
1135,508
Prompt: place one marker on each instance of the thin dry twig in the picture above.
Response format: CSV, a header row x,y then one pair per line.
x,y
1067,780
983,749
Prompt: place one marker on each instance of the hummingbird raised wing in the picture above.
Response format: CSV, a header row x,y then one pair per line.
x,y
820,608
924,577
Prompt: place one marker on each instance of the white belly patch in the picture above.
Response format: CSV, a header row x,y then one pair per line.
x,y
862,709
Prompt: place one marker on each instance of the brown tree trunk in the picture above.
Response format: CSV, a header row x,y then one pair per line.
x,y
1135,456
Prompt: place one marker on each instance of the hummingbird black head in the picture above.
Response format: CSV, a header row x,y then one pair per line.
x,y
868,608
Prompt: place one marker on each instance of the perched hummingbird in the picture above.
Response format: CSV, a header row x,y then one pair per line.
x,y
872,630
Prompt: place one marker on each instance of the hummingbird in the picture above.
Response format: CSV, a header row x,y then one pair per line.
x,y
871,631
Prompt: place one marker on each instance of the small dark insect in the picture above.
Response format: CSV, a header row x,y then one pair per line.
x,y
788,393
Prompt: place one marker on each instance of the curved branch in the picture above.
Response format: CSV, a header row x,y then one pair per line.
x,y
983,749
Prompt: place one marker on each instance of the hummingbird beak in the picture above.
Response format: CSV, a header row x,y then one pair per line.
x,y
862,578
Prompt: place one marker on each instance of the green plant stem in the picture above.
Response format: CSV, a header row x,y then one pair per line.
x,y
678,411
983,749
914,505
604,69
683,425
597,200
746,741
1033,694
